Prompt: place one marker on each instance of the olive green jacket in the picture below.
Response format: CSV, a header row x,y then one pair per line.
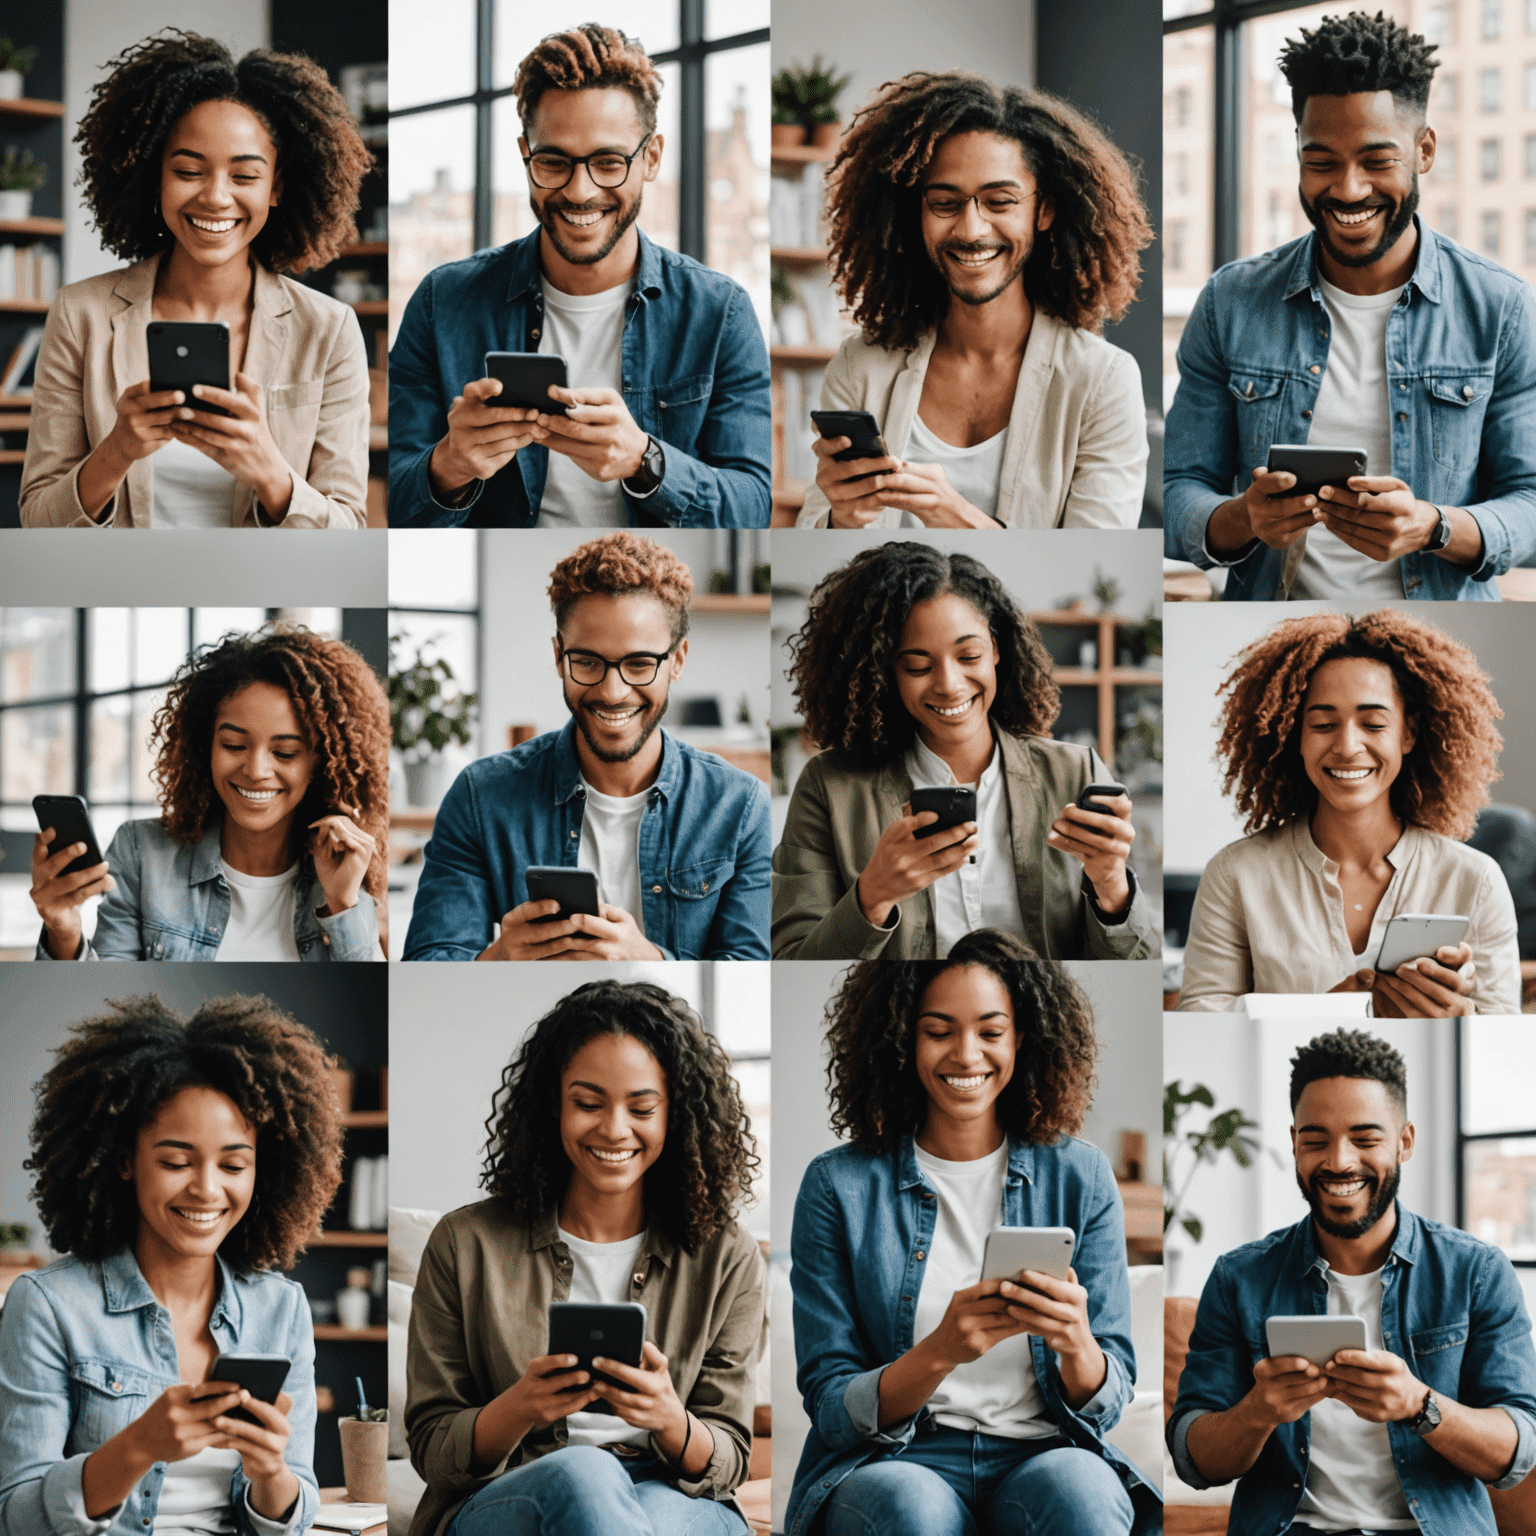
x,y
480,1314
836,816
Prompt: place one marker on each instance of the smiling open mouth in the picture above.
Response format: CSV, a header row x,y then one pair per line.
x,y
256,796
974,258
582,220
964,1084
1349,775
616,716
212,226
1355,220
206,1220
614,1159
953,711
1342,1189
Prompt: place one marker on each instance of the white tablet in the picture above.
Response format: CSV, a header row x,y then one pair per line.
x,y
1317,1339
1012,1250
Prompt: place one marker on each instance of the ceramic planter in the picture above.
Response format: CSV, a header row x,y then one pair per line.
x,y
10,84
15,205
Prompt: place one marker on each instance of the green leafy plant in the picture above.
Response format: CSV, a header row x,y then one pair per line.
x,y
1106,589
373,1416
1223,1133
14,57
808,96
780,290
14,1234
421,711
19,172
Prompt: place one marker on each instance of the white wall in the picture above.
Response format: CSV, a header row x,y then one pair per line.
x,y
1248,1066
94,32
1201,642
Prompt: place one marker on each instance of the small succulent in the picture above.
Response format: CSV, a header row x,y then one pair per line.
x,y
20,172
808,96
19,59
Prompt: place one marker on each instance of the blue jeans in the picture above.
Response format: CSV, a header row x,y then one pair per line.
x,y
584,1491
955,1483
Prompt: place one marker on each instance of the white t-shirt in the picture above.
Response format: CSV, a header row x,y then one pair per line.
x,y
610,848
191,491
1352,411
980,895
1351,1482
260,915
997,1394
195,1495
974,472
600,1273
587,330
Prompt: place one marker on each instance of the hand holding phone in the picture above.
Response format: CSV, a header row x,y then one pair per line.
x,y
67,870
183,353
260,1375
850,452
483,437
905,862
1096,831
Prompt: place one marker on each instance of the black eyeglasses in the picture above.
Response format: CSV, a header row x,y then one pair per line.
x,y
549,171
997,204
637,669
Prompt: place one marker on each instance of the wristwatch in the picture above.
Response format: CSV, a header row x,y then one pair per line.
x,y
1442,534
1428,1417
647,479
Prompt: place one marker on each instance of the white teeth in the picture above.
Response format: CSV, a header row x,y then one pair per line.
x,y
1352,1187
1349,775
973,258
613,1157
212,226
950,714
582,220
966,1082
201,1218
615,719
258,796
1354,218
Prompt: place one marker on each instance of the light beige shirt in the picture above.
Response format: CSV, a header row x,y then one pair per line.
x,y
1077,436
305,349
1269,917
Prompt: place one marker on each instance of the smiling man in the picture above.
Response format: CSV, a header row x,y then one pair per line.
x,y
981,235
1407,1434
1372,333
667,417
677,837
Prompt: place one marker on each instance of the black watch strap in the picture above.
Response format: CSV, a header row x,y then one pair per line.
x,y
653,465
1442,534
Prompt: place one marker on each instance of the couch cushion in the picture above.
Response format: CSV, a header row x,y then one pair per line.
x,y
409,1230
1178,1324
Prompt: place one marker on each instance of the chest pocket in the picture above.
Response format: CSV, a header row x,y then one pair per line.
x,y
1458,402
1257,413
1436,1354
163,943
681,408
700,882
106,1397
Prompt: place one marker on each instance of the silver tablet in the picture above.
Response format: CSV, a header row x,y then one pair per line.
x,y
1317,1339
1012,1250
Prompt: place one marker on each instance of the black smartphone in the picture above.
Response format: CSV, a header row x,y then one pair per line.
x,y
1316,467
1099,792
525,379
187,352
574,889
860,427
954,805
584,1328
71,823
261,1375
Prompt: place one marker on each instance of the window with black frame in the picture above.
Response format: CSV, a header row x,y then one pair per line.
x,y
457,183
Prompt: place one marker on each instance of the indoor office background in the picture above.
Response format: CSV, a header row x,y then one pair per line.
x,y
457,182
1122,1123
345,1007
78,690
1091,53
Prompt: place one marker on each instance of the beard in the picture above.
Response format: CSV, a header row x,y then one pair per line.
x,y
1397,221
1379,1203
550,223
969,296
649,719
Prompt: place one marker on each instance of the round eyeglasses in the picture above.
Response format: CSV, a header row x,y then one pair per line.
x,y
549,171
589,669
945,204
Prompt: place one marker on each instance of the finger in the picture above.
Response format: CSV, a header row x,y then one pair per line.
x,y
632,1376
249,388
1271,481
826,447
481,389
232,400
159,401
529,910
651,1357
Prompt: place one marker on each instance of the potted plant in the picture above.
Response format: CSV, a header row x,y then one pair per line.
x,y
785,127
808,97
14,63
20,177
424,718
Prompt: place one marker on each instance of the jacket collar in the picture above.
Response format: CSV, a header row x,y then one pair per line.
x,y
1405,1245
135,286
524,271
544,1232
1021,1163
203,858
1303,276
568,784
126,1289
1321,865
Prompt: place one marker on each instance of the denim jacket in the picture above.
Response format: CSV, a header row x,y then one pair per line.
x,y
703,851
1461,372
172,903
862,1228
695,377
85,1348
1451,1307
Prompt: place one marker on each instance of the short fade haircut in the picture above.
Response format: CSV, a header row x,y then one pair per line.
x,y
1349,54
1350,1053
588,58
616,565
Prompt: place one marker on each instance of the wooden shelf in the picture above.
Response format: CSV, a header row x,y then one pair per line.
x,y
364,248
409,818
31,226
365,1119
25,306
350,1240
18,423
799,255
372,307
730,602
338,1334
806,355
13,456
1117,677
26,107
15,402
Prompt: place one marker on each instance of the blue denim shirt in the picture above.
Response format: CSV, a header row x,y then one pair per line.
x,y
1461,371
85,1348
1451,1307
172,903
703,851
863,1226
694,375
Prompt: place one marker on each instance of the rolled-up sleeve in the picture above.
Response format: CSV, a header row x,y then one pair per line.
x,y
1499,1367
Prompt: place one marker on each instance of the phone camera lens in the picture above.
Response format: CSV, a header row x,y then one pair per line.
x,y
181,351
597,1335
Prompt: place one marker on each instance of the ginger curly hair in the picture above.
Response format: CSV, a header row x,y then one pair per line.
x,y
1444,780
588,58
704,1173
342,711
843,656
614,566
113,1075
1084,269
877,1098
155,83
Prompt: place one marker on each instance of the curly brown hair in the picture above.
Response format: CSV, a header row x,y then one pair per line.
x,y
617,564
155,83
115,1073
1084,269
342,711
1444,779
705,1170
588,58
877,1098
843,656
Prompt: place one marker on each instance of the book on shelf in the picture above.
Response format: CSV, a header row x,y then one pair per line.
x,y
19,370
29,272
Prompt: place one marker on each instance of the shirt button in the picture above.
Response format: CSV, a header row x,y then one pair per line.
x,y
117,1386
639,1277
1402,415
1306,413
1314,369
1403,388
920,1254
705,887
534,333
656,890
574,832
1467,391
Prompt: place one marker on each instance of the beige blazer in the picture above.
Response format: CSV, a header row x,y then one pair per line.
x,y
305,348
1076,455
